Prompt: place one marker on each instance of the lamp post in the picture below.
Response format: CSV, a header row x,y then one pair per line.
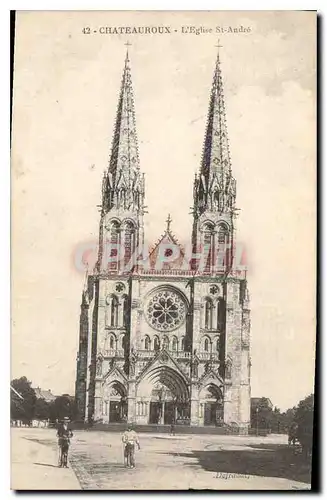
x,y
257,413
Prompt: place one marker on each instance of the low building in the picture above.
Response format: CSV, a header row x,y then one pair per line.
x,y
256,402
44,394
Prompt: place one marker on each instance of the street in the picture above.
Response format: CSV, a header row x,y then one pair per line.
x,y
163,463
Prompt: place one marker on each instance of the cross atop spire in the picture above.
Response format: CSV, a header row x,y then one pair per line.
x,y
127,44
218,46
168,221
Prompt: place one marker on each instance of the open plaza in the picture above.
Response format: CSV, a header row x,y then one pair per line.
x,y
180,462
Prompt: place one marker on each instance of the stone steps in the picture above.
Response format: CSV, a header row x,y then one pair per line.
x,y
160,429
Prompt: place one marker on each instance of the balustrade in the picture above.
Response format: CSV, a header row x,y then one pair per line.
x,y
143,353
112,353
208,355
175,354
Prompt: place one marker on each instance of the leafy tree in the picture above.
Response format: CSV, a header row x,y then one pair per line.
x,y
63,406
42,409
304,419
22,409
261,415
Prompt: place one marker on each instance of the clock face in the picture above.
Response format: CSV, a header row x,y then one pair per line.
x,y
165,310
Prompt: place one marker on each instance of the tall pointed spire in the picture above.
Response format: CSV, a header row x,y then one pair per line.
x,y
124,158
216,157
123,180
215,187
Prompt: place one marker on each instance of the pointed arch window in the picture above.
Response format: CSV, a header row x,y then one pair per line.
x,y
208,245
106,345
129,244
125,310
206,345
114,311
208,314
183,344
223,240
147,343
156,343
112,342
123,341
174,344
123,197
165,342
220,314
113,250
222,234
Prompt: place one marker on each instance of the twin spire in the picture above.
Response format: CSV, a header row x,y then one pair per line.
x,y
216,157
123,184
124,158
214,189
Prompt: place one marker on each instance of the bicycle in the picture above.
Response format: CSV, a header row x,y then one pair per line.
x,y
64,443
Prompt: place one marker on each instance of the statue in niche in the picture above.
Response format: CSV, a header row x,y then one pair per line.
x,y
132,363
228,370
99,367
195,368
216,200
208,367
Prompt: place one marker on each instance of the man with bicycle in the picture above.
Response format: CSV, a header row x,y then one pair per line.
x,y
64,434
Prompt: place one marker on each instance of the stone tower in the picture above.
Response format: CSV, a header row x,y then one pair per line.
x,y
219,288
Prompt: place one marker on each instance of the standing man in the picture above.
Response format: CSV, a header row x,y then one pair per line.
x,y
292,433
129,439
64,433
172,428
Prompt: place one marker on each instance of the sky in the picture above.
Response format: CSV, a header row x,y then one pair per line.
x,y
66,86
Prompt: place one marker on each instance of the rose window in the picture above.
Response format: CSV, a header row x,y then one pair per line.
x,y
165,310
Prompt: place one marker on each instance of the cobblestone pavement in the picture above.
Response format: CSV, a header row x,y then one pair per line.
x,y
184,462
180,462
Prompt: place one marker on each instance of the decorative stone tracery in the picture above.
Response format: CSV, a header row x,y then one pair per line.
x,y
165,310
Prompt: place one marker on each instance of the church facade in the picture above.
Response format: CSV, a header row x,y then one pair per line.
x,y
165,333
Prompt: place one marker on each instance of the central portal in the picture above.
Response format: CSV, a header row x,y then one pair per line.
x,y
167,408
167,396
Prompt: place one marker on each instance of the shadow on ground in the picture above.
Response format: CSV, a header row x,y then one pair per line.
x,y
45,465
260,460
45,442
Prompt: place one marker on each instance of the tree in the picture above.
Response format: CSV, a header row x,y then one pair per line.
x,y
22,409
42,409
63,406
304,419
261,414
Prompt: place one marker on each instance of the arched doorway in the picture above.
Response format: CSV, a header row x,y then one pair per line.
x,y
168,396
212,405
116,403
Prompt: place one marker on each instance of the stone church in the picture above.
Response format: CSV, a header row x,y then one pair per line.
x,y
165,332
